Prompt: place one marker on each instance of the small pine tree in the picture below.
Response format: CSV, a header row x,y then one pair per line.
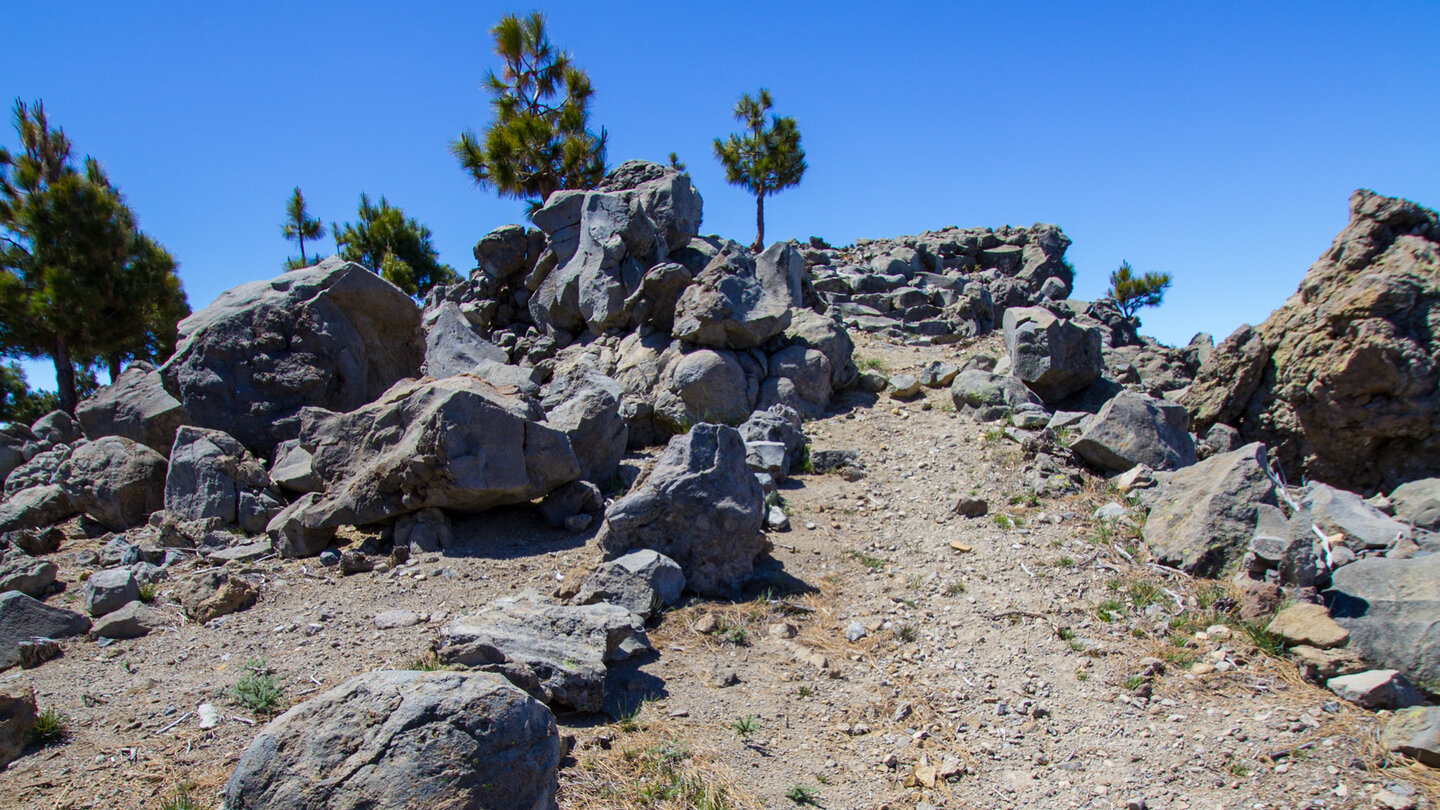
x,y
299,225
540,141
1130,292
765,160
397,248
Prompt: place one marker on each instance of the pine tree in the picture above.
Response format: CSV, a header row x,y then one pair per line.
x,y
79,282
540,140
399,249
764,160
300,225
1130,292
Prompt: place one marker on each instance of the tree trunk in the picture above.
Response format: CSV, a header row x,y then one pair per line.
x,y
65,376
114,363
302,249
759,223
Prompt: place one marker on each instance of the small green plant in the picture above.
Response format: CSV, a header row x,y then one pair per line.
x,y
259,691
1144,594
907,633
1269,643
994,435
1065,633
1066,562
1135,683
871,562
738,636
805,692
870,364
1109,610
629,721
803,463
746,726
1077,645
802,795
1028,499
1239,769
1004,521
1137,632
51,728
147,592
955,588
1082,676
182,799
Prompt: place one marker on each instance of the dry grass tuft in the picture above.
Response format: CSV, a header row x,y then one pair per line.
x,y
651,763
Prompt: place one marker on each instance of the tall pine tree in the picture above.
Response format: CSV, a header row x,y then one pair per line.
x,y
766,159
300,225
397,248
540,140
79,283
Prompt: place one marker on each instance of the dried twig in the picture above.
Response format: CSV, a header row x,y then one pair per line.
x,y
182,719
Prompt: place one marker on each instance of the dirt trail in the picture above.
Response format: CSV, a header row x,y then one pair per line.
x,y
1001,664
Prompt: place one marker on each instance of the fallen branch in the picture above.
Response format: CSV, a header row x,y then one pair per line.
x,y
182,719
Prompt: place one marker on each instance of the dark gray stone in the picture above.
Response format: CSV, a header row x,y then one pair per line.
x,y
116,481
638,582
1137,429
404,739
109,590
23,618
1392,610
1055,357
1204,515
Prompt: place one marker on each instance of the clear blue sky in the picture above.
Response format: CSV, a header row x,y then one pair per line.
x,y
1215,141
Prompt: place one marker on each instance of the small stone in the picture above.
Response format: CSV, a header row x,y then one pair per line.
x,y
1376,689
904,386
782,630
392,619
579,523
722,676
1393,801
777,520
1308,624
811,525
1201,669
1219,632
1137,803
969,506
706,624
855,631
330,557
890,761
959,546
209,715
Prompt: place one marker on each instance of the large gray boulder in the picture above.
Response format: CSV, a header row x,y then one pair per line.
x,y
700,505
705,385
557,653
605,241
988,397
109,590
452,346
135,406
800,378
39,470
812,330
585,404
209,471
639,582
404,739
454,444
1392,610
1418,502
728,307
23,618
781,271
334,336
116,481
1137,429
1055,357
1205,516
35,507
28,575
1336,511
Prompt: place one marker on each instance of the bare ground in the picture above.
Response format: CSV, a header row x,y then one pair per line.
x,y
1001,666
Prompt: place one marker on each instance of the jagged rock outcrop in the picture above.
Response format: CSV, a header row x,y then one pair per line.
x,y
333,336
700,505
1341,381
940,286
1205,514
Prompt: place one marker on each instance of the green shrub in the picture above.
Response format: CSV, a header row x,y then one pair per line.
x,y
51,727
259,691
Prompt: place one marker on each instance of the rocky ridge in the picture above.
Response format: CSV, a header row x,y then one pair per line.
x,y
896,541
